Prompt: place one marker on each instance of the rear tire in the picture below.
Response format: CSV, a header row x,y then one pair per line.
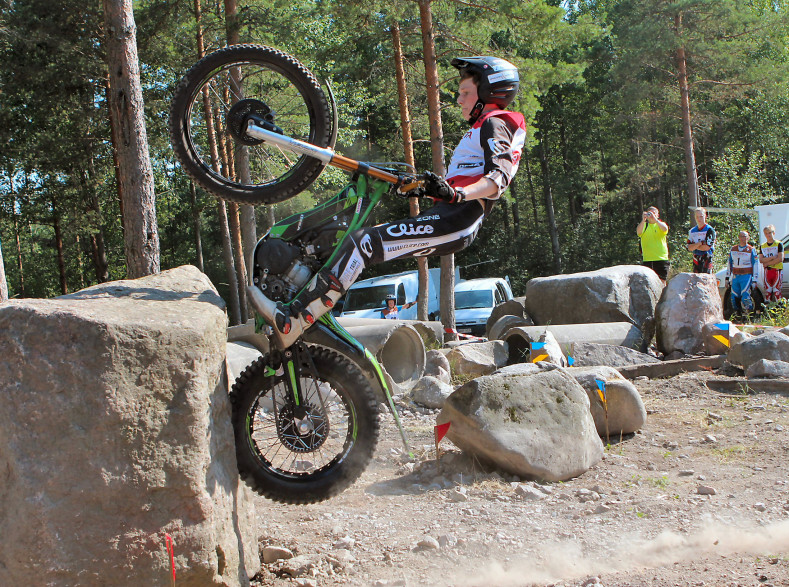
x,y
251,173
286,463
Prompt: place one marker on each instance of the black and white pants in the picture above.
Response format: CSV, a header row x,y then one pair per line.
x,y
440,230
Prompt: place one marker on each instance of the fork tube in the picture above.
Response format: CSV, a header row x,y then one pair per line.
x,y
326,156
294,374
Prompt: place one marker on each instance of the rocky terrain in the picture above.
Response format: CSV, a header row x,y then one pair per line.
x,y
697,497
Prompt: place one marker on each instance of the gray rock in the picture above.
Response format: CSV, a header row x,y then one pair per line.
x,y
626,411
588,354
128,377
773,346
528,492
714,345
272,554
533,426
552,349
437,365
705,490
240,355
430,392
625,293
428,543
480,358
689,301
301,565
768,368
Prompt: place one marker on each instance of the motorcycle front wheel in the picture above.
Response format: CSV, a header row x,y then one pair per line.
x,y
310,452
217,154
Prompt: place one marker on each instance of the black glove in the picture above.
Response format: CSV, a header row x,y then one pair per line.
x,y
438,189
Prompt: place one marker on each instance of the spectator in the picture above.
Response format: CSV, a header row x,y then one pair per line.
x,y
391,309
742,272
653,231
771,256
701,242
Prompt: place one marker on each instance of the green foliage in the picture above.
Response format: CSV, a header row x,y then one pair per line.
x,y
598,89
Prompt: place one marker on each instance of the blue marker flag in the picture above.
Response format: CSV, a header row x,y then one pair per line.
x,y
536,345
570,361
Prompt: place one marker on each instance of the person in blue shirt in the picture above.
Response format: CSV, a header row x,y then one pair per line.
x,y
391,309
701,242
742,271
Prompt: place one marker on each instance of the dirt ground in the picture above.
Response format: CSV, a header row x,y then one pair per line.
x,y
697,497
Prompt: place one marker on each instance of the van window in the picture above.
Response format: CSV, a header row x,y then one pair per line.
x,y
368,298
400,294
500,295
475,298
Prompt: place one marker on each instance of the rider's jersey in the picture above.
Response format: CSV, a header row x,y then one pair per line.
x,y
772,249
742,260
492,149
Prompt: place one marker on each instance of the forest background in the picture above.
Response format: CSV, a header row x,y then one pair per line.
x,y
612,127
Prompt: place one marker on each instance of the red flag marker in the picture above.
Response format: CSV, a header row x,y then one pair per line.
x,y
441,431
171,551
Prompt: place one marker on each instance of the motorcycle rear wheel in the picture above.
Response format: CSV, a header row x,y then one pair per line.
x,y
248,173
310,459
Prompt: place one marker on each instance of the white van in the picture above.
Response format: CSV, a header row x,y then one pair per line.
x,y
475,300
367,298
777,215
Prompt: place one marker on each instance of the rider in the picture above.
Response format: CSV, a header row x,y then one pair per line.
x,y
481,168
391,309
742,268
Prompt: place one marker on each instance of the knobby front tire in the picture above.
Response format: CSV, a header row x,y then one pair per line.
x,y
292,464
255,173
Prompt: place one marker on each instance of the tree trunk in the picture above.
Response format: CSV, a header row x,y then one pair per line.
x,y
532,192
221,209
687,129
248,224
408,149
197,230
227,257
20,264
447,301
97,243
3,283
130,139
571,200
516,215
59,249
546,181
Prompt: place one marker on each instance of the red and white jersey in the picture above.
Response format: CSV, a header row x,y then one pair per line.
x,y
491,148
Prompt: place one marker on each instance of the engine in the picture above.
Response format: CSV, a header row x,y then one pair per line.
x,y
281,269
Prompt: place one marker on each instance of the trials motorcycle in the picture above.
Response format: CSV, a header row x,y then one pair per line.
x,y
252,125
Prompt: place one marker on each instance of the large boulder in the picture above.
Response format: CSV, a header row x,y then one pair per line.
x,y
626,411
529,420
773,346
626,293
689,301
477,358
117,433
588,354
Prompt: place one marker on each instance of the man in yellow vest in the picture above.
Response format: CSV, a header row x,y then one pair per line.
x,y
653,231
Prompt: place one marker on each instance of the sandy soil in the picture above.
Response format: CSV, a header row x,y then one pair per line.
x,y
697,497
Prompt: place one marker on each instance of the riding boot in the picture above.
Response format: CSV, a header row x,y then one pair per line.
x,y
291,320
